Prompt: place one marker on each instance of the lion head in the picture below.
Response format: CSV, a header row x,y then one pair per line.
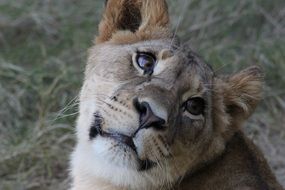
x,y
151,110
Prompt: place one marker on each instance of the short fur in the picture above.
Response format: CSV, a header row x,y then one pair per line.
x,y
202,152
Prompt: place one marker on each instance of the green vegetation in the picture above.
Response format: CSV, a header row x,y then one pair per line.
x,y
43,47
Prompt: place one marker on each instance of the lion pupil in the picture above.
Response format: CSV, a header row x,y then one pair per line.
x,y
195,106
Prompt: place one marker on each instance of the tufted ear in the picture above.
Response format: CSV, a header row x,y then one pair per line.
x,y
133,16
241,93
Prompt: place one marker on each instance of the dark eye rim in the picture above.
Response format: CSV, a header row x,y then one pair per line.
x,y
151,55
191,99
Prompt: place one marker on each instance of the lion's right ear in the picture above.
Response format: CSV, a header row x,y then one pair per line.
x,y
132,15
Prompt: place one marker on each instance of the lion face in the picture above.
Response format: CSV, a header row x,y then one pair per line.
x,y
151,110
148,99
148,107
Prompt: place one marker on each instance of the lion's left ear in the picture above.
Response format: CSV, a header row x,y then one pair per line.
x,y
241,93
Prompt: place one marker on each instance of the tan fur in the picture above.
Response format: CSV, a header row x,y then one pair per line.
x,y
154,23
203,152
241,166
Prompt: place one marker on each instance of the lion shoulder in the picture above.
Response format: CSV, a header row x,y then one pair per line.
x,y
241,166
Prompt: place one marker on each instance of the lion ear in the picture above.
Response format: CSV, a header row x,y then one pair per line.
x,y
132,15
242,92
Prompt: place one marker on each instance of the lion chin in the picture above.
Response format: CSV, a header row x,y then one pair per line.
x,y
154,115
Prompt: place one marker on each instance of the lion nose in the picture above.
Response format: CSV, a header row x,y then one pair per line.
x,y
147,117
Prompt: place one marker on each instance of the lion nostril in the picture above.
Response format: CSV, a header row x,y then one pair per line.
x,y
140,106
143,109
147,117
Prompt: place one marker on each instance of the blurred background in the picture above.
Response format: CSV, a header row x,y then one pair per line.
x,y
43,45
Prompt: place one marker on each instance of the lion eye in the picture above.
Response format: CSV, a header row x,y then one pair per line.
x,y
146,62
195,106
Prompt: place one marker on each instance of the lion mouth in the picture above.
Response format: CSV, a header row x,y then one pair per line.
x,y
96,129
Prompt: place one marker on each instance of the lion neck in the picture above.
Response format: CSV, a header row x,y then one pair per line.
x,y
241,162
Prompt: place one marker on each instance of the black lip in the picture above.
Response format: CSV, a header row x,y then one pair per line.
x,y
146,165
126,140
96,130
120,138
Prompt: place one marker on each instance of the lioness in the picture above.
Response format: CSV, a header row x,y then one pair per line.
x,y
153,115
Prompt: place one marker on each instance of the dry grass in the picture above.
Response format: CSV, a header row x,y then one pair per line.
x,y
42,56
